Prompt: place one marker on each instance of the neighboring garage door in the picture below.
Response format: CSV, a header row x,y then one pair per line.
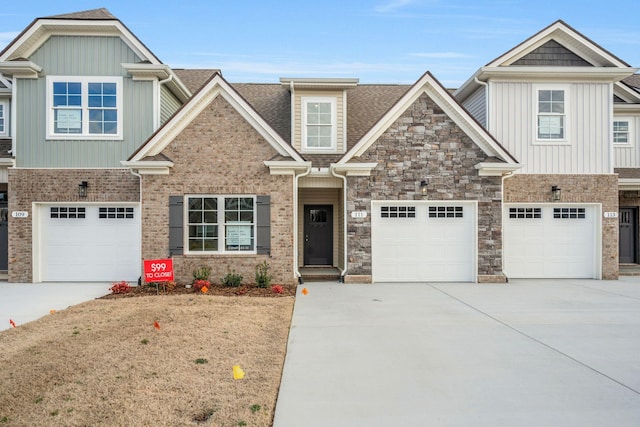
x,y
89,243
423,241
550,241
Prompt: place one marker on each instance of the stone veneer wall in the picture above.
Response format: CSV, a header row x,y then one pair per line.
x,y
219,153
424,143
575,189
57,186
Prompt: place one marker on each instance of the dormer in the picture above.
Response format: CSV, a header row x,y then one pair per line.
x,y
319,114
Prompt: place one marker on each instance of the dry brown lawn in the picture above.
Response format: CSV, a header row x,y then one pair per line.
x,y
102,363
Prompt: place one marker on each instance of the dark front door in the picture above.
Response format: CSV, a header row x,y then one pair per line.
x,y
318,235
628,221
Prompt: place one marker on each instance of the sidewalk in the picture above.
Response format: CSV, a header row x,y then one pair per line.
x,y
530,353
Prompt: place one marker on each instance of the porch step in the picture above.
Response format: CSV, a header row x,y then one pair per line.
x,y
319,274
629,270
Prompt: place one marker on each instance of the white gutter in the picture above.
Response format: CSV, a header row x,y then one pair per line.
x,y
344,221
295,222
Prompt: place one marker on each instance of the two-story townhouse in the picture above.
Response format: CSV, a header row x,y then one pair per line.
x,y
85,92
551,102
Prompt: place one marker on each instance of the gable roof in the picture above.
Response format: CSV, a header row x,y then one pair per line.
x,y
98,22
431,86
557,51
215,87
195,78
566,36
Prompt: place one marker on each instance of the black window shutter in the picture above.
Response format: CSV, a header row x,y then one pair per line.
x,y
176,225
263,228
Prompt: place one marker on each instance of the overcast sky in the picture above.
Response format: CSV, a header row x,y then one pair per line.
x,y
377,41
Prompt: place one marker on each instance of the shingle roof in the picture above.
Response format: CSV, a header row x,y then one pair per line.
x,y
633,81
194,79
96,14
366,104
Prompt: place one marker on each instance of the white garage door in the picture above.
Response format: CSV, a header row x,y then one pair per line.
x,y
89,243
550,241
423,241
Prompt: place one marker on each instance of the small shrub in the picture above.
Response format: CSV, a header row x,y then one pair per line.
x,y
202,273
255,408
277,289
198,284
120,288
232,279
201,361
144,341
263,278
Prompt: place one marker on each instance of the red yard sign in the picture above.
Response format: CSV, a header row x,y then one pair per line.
x,y
158,270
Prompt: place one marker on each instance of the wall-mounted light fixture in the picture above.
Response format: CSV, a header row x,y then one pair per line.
x,y
82,189
423,187
556,193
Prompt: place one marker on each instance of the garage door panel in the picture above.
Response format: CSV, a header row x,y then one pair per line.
x,y
551,245
423,248
99,245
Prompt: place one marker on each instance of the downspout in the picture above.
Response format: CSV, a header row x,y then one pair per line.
x,y
295,224
344,222
486,101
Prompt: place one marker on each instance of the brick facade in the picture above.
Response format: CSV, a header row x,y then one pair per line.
x,y
425,144
219,153
27,186
602,189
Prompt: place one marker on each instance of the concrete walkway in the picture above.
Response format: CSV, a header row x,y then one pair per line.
x,y
24,302
530,353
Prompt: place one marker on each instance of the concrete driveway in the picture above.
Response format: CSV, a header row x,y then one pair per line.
x,y
530,353
24,302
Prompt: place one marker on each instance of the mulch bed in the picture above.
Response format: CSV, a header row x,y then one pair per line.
x,y
181,289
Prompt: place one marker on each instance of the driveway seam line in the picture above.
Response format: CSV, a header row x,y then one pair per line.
x,y
513,328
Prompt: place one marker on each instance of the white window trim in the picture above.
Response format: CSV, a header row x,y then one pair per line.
x,y
222,232
84,80
334,114
567,115
5,110
631,138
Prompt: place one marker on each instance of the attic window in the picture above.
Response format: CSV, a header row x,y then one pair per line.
x,y
319,124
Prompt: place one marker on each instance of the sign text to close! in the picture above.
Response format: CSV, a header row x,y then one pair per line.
x,y
158,270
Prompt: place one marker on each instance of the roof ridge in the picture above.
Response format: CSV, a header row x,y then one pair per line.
x,y
94,14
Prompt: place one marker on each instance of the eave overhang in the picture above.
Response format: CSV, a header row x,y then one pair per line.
x,y
149,167
20,69
353,169
496,169
599,74
629,184
287,167
146,71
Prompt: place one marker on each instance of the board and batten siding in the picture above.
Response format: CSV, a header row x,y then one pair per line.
x,y
513,116
169,104
81,56
476,105
628,155
340,128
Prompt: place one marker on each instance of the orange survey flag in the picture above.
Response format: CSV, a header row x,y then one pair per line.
x,y
156,325
305,291
12,323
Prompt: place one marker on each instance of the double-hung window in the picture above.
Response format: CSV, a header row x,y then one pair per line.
x,y
622,130
551,115
84,107
319,124
221,224
4,118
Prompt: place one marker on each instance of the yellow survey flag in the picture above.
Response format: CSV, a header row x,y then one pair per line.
x,y
238,373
